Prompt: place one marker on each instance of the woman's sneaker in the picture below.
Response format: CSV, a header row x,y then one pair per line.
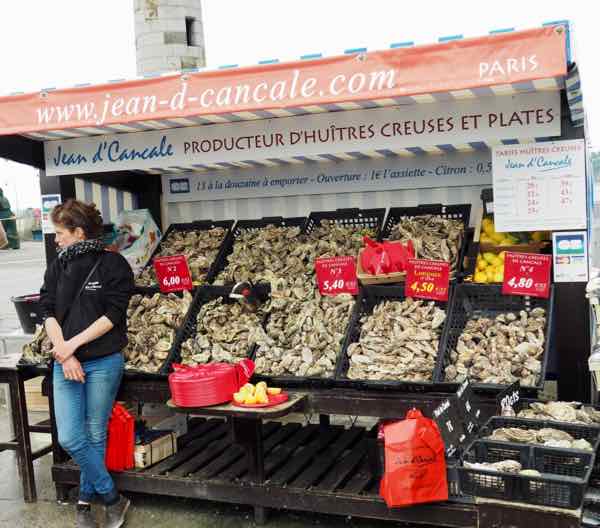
x,y
85,518
115,514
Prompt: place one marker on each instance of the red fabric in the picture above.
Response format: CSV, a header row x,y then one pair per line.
x,y
210,384
415,463
121,440
385,257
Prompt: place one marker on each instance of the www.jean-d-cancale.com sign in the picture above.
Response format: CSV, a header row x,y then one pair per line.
x,y
420,172
418,125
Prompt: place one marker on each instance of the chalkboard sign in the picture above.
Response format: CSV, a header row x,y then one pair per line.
x,y
510,397
469,409
449,421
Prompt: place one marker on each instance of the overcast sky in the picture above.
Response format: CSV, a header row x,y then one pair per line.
x,y
59,43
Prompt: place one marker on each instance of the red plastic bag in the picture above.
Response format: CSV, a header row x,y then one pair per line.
x,y
385,257
121,440
415,463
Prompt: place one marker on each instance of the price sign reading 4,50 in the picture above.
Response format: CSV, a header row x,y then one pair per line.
x,y
336,275
173,273
427,279
527,274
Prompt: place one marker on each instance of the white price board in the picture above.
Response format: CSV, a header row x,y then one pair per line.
x,y
539,186
570,256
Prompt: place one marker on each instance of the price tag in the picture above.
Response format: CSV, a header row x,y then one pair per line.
x,y
527,274
336,275
173,273
450,424
468,409
427,279
510,397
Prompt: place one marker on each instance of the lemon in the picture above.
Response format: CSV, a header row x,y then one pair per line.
x,y
502,255
480,277
262,397
273,391
497,261
498,276
489,275
248,388
261,384
481,265
498,237
239,397
250,400
489,257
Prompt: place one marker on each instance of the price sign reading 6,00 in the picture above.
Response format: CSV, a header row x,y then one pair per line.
x,y
527,274
427,279
173,273
336,275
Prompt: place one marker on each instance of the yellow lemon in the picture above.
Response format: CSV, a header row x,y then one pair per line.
x,y
485,239
248,388
489,274
498,276
480,277
239,397
481,265
502,255
489,257
498,237
250,399
261,384
273,391
262,397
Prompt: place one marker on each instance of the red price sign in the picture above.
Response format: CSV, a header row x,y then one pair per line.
x,y
527,274
173,273
427,279
336,275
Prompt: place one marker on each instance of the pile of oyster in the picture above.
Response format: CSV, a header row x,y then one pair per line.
x,y
259,253
547,436
305,331
504,466
333,240
571,412
199,246
500,350
224,333
433,237
398,341
152,322
38,351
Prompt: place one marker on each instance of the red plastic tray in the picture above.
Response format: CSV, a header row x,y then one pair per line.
x,y
275,399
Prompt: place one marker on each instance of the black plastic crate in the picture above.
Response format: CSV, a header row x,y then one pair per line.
x,y
358,218
242,225
204,295
162,371
199,225
460,212
370,297
486,300
300,382
564,480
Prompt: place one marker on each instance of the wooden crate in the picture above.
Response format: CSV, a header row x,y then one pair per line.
x,y
36,402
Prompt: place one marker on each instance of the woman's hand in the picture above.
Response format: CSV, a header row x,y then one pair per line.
x,y
63,351
72,370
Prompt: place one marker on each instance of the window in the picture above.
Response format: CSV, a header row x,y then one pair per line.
x,y
189,31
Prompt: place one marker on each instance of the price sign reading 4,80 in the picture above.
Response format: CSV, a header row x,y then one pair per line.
x,y
173,273
527,274
427,279
336,275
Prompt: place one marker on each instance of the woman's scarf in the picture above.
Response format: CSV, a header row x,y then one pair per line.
x,y
81,248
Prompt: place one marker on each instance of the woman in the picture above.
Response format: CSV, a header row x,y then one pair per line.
x,y
84,301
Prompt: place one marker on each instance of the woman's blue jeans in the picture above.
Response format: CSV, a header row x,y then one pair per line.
x,y
82,413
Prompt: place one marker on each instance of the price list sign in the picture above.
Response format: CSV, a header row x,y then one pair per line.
x,y
173,273
336,275
427,279
527,274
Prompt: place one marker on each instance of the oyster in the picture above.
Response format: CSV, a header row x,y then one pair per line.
x,y
561,412
304,333
399,340
504,466
224,333
433,237
38,350
152,322
500,349
546,436
200,246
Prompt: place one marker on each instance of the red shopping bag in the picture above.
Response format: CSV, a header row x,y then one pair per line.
x,y
385,257
121,440
415,463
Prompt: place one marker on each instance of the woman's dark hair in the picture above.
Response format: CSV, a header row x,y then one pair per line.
x,y
73,214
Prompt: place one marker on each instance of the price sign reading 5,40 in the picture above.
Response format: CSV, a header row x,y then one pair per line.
x,y
336,275
527,274
427,279
173,273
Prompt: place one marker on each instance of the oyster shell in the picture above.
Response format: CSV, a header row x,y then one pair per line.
x,y
398,340
224,333
433,237
38,350
504,466
561,412
152,322
200,246
499,350
546,436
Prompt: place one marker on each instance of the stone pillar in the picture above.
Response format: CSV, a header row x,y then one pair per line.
x,y
169,36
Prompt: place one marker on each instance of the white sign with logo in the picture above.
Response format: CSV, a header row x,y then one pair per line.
x,y
458,169
49,202
540,186
417,125
570,256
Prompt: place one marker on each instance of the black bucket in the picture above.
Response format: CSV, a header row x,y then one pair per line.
x,y
29,311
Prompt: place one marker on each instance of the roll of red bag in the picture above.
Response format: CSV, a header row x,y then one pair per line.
x,y
206,385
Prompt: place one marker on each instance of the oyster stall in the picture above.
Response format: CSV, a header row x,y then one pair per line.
x,y
255,174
